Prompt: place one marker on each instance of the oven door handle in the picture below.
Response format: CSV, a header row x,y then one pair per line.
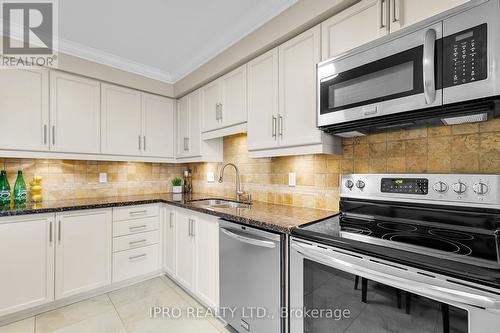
x,y
249,240
406,283
428,66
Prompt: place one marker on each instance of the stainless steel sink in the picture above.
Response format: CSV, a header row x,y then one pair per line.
x,y
219,203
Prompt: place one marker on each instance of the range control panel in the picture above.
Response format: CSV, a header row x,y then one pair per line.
x,y
451,189
405,185
465,56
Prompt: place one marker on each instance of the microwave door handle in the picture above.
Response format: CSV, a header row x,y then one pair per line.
x,y
401,282
428,66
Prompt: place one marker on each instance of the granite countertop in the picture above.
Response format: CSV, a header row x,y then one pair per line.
x,y
279,218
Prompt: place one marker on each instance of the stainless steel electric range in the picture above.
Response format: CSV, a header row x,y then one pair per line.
x,y
407,253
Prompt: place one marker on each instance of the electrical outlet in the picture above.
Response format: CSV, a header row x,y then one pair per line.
x,y
292,179
103,177
210,177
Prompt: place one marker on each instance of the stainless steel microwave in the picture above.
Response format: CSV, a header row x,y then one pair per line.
x,y
444,70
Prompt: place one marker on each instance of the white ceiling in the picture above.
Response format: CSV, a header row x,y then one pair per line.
x,y
160,39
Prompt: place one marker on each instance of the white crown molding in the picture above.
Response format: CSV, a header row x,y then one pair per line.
x,y
238,34
108,59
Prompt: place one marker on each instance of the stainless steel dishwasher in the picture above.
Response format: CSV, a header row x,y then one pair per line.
x,y
251,282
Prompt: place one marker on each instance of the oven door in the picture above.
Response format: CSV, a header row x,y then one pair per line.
x,y
333,290
394,76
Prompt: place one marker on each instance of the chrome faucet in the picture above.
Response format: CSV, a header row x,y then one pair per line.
x,y
239,192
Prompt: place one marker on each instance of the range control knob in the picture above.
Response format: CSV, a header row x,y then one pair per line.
x,y
349,184
480,188
440,187
459,187
360,184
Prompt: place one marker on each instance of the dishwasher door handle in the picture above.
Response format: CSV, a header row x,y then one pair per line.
x,y
249,240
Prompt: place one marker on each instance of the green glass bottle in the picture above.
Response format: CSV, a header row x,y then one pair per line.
x,y
20,189
4,189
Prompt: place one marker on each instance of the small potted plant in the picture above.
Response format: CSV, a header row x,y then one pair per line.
x,y
177,185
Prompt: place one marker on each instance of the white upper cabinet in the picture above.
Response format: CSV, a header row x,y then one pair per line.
x,y
74,114
83,251
158,126
183,127
263,101
407,12
120,120
27,260
24,110
234,97
361,23
211,101
224,104
189,125
297,89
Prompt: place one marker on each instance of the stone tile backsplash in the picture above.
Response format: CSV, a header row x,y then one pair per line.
x,y
468,148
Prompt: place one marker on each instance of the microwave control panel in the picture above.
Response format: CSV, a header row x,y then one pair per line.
x,y
465,56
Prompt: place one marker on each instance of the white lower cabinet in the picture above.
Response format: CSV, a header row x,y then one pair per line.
x,y
184,249
83,251
136,241
26,261
169,240
196,253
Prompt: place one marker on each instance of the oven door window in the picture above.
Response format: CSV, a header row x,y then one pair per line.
x,y
359,305
389,78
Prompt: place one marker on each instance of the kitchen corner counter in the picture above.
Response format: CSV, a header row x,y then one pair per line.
x,y
278,218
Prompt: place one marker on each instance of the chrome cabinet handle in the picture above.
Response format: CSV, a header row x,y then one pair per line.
x,y
281,125
193,234
137,212
186,144
428,65
137,241
220,112
144,255
171,220
44,134
144,145
189,228
394,11
59,231
138,227
217,111
139,142
382,25
50,232
53,135
274,126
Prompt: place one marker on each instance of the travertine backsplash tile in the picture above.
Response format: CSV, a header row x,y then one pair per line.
x,y
64,179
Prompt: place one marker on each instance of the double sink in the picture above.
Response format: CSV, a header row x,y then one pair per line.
x,y
218,203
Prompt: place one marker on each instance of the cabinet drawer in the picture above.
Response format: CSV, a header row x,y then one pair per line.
x,y
124,228
135,241
134,212
136,262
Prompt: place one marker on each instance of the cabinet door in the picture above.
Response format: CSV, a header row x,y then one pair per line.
x,y
297,89
355,26
120,120
210,100
194,142
158,126
83,251
263,101
183,127
75,114
169,241
206,234
184,250
24,109
27,261
407,12
234,97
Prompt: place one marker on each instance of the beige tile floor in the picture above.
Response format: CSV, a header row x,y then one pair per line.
x,y
125,310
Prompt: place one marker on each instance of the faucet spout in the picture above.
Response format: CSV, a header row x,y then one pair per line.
x,y
238,190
